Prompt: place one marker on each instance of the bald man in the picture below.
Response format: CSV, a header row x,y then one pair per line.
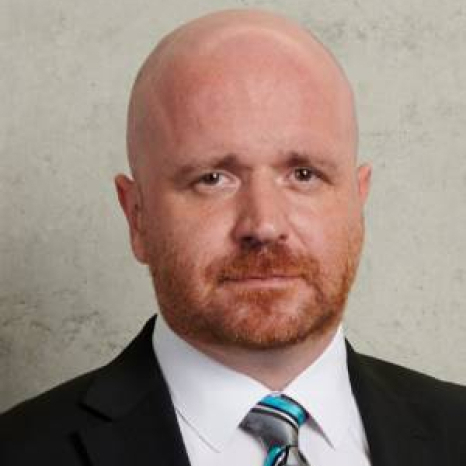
x,y
246,204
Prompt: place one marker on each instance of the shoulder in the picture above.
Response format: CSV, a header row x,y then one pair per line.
x,y
413,384
404,380
429,406
50,418
50,426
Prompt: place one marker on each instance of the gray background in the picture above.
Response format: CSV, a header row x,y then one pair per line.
x,y
71,294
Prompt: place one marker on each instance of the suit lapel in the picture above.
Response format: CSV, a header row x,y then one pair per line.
x,y
138,425
400,431
135,421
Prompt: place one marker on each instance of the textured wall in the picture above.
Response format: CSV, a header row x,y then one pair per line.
x,y
70,293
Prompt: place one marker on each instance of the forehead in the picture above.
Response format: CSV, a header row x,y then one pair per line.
x,y
251,94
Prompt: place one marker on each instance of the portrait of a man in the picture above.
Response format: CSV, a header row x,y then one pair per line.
x,y
245,200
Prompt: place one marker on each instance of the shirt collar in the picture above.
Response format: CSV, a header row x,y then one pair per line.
x,y
213,399
324,390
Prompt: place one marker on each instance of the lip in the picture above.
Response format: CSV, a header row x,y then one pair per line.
x,y
258,281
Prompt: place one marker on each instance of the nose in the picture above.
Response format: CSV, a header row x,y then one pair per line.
x,y
262,215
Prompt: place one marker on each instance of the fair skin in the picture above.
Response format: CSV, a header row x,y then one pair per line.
x,y
246,202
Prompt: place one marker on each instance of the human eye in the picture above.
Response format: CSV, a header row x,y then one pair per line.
x,y
305,178
213,181
210,179
304,174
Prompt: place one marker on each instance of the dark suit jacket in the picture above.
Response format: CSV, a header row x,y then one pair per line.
x,y
122,415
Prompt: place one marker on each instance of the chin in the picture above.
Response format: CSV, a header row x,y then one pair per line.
x,y
256,327
281,332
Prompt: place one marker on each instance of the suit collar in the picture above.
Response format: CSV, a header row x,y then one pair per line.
x,y
401,431
139,421
135,420
130,377
323,389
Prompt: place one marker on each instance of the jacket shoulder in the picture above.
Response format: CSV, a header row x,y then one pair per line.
x,y
446,401
413,384
57,411
433,407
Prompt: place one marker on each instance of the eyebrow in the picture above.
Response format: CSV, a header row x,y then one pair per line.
x,y
296,158
231,162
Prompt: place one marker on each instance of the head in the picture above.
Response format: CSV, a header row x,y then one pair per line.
x,y
246,201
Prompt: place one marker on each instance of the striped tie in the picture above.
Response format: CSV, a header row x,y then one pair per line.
x,y
275,420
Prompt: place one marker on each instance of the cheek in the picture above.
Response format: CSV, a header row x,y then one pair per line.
x,y
325,232
195,236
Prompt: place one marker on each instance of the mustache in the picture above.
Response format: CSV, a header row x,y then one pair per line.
x,y
274,260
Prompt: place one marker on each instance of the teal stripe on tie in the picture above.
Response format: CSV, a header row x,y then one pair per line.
x,y
273,454
287,407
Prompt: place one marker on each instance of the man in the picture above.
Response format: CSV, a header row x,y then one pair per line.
x,y
246,204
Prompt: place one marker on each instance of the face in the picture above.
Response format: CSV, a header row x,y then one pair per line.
x,y
248,210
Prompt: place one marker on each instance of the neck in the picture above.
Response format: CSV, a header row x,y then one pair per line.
x,y
273,368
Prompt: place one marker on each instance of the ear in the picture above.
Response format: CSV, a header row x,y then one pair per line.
x,y
131,203
364,173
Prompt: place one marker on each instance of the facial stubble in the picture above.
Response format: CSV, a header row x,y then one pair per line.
x,y
198,307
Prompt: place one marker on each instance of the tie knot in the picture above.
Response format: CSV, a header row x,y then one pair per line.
x,y
275,421
283,406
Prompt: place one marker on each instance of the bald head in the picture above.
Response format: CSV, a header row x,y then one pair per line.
x,y
242,143
240,56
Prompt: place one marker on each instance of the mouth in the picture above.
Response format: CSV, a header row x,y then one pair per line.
x,y
262,280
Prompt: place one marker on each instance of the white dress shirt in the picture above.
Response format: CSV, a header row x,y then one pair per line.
x,y
211,400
